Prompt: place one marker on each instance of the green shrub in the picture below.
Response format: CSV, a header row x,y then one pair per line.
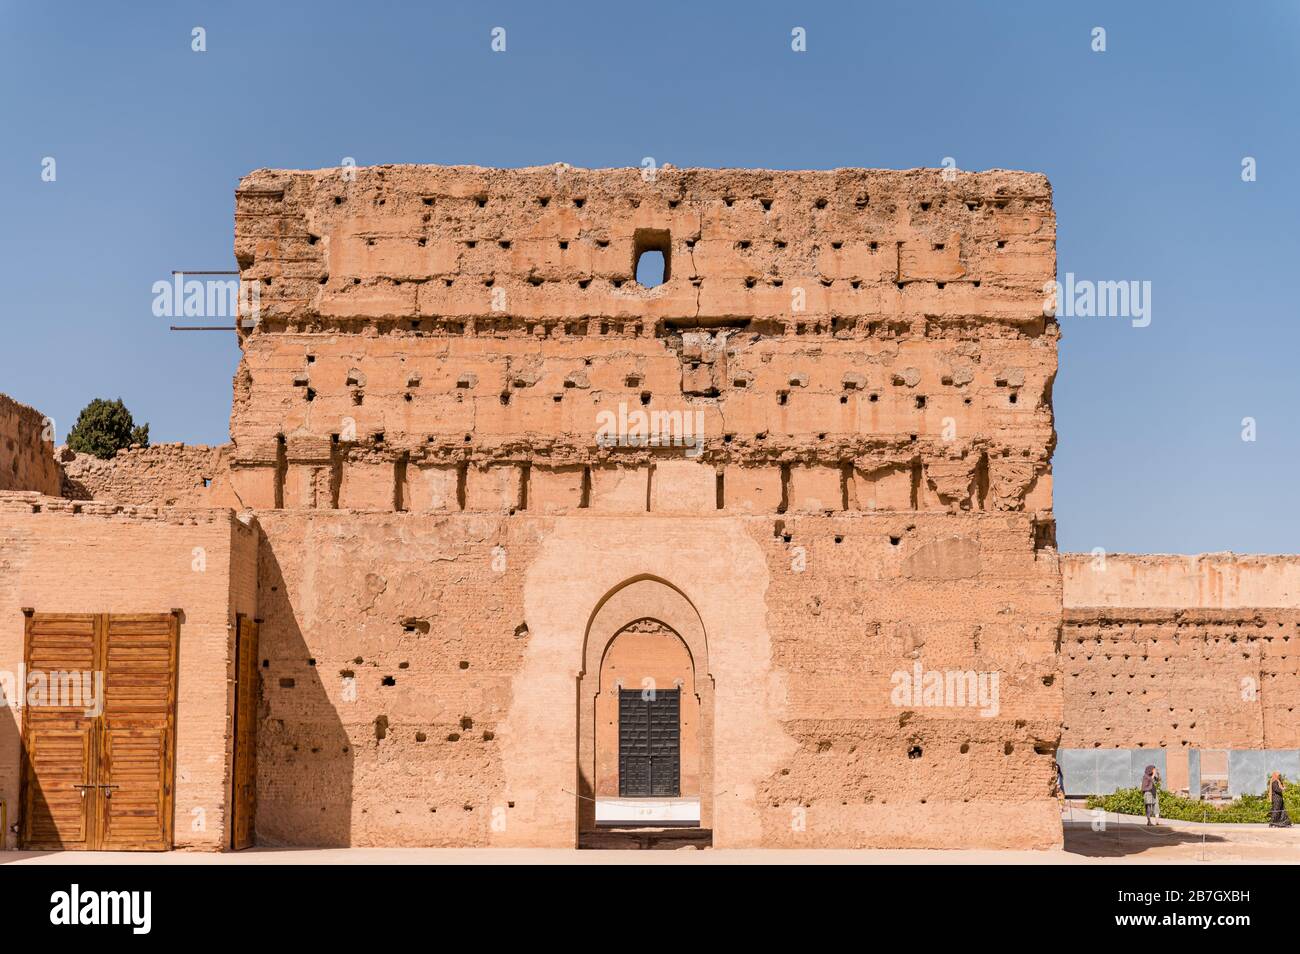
x,y
105,427
1244,808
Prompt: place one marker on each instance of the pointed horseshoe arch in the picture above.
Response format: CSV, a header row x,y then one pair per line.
x,y
642,604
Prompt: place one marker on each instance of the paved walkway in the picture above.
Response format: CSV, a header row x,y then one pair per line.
x,y
1125,840
1120,845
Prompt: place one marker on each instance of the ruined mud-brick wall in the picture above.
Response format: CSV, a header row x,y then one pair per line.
x,y
163,475
26,452
1181,653
64,556
415,420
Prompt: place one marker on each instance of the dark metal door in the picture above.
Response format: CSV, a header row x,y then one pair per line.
x,y
649,743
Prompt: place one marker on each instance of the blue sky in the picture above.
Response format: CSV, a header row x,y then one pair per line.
x,y
1143,144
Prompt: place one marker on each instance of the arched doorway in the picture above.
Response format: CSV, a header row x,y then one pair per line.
x,y
645,713
647,722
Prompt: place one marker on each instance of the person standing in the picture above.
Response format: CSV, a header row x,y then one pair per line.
x,y
1151,794
1277,817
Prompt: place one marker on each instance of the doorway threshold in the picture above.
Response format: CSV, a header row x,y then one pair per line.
x,y
647,812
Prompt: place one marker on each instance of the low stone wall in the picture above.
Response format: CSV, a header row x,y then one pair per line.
x,y
1193,658
164,475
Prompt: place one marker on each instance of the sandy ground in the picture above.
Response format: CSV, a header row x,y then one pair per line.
x,y
1124,841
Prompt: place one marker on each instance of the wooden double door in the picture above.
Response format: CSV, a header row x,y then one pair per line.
x,y
99,747
649,743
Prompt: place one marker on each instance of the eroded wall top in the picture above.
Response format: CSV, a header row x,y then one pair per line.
x,y
868,322
163,475
26,449
431,242
1214,581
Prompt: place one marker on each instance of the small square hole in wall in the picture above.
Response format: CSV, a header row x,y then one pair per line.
x,y
651,256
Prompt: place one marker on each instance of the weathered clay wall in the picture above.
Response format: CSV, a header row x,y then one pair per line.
x,y
480,623
1181,652
1226,581
161,475
26,455
863,372
881,595
60,556
883,325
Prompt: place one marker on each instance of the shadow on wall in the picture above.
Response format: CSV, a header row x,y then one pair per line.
x,y
11,742
305,760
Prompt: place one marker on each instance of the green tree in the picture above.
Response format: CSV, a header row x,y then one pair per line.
x,y
104,427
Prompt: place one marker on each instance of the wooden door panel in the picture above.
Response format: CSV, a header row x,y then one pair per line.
x,y
633,745
136,731
59,739
133,810
665,744
247,676
115,739
56,813
61,644
649,744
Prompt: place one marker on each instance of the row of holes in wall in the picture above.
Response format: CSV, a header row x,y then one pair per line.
x,y
1249,624
632,381
651,258
651,275
659,250
1008,748
841,326
860,201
